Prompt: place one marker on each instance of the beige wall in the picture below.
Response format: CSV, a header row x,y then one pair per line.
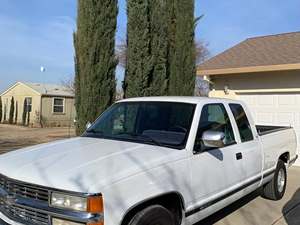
x,y
20,92
282,81
49,118
42,107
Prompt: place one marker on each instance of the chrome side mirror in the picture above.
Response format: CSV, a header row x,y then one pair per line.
x,y
88,125
213,139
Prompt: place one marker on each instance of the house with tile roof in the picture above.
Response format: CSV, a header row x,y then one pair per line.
x,y
46,105
265,73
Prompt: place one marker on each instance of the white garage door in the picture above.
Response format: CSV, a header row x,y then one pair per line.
x,y
277,109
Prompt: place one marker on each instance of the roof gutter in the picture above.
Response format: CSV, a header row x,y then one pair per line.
x,y
249,69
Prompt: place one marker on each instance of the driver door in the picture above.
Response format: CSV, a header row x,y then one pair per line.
x,y
215,170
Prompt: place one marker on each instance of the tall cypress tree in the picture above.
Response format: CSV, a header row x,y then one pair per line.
x,y
146,69
0,109
5,113
16,113
11,111
159,79
95,61
24,114
182,55
138,52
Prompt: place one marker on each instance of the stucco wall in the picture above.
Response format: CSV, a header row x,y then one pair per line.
x,y
20,92
49,118
282,81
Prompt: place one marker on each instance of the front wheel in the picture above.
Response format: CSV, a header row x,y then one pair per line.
x,y
153,215
275,189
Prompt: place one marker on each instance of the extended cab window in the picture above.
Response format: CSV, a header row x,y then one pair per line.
x,y
215,118
242,122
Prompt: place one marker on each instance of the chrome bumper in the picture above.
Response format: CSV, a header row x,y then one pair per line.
x,y
2,222
20,209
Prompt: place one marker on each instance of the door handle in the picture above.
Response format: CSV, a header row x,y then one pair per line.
x,y
239,156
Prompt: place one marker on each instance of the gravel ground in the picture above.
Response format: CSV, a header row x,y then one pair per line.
x,y
15,137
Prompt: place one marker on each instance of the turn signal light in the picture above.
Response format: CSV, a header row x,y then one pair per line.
x,y
99,223
95,205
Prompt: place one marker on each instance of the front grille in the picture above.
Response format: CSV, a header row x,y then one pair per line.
x,y
26,191
23,190
23,215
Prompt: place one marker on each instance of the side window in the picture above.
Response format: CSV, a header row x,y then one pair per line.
x,y
58,105
242,122
215,118
28,104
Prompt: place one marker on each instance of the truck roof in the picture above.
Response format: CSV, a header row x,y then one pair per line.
x,y
182,99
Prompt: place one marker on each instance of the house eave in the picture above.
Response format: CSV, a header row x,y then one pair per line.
x,y
249,69
58,95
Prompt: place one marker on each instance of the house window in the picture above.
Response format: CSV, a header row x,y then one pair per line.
x,y
28,104
58,105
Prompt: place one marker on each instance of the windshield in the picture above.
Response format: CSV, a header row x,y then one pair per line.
x,y
157,123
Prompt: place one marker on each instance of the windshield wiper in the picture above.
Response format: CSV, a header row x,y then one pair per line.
x,y
150,138
93,131
143,136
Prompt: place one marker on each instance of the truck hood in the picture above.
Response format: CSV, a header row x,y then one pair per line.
x,y
83,164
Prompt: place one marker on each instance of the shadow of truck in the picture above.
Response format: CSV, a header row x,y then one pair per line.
x,y
230,209
291,210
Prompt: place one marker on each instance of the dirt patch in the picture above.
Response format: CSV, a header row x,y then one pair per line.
x,y
15,137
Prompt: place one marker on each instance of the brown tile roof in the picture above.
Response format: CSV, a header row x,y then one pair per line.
x,y
258,51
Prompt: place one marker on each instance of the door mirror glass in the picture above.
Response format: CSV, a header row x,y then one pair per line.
x,y
213,139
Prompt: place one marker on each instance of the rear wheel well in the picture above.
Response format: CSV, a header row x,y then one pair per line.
x,y
171,201
285,157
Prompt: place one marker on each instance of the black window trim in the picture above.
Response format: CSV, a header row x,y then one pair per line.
x,y
242,142
234,142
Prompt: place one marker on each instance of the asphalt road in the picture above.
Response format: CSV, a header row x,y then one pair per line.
x,y
254,210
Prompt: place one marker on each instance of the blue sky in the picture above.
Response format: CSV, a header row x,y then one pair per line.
x,y
35,33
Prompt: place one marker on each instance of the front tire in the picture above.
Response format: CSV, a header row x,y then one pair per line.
x,y
153,215
275,189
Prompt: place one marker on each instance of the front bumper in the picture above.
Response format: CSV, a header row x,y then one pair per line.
x,y
31,207
6,221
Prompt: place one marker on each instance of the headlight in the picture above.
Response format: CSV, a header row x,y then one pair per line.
x,y
92,204
64,222
69,202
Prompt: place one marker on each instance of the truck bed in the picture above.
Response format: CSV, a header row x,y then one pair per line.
x,y
265,129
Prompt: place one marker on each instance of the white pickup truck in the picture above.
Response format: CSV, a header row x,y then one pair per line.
x,y
148,161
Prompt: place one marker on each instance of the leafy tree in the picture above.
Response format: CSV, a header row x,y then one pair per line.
x,y
182,52
24,115
11,111
16,113
95,59
147,48
0,109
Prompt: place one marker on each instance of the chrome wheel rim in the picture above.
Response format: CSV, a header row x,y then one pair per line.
x,y
281,180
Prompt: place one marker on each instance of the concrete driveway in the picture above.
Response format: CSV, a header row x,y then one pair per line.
x,y
254,210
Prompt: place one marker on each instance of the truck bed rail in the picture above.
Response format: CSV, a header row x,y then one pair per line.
x,y
266,129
